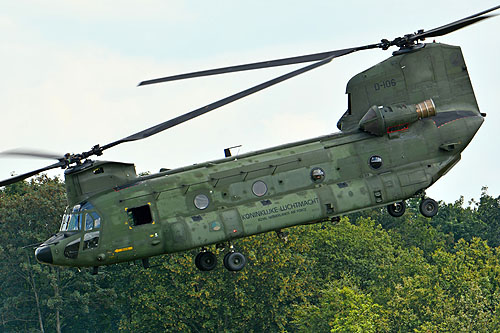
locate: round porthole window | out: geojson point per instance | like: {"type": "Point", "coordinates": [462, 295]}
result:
{"type": "Point", "coordinates": [201, 201]}
{"type": "Point", "coordinates": [317, 175]}
{"type": "Point", "coordinates": [375, 162]}
{"type": "Point", "coordinates": [259, 188]}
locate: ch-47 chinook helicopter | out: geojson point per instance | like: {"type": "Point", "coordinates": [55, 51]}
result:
{"type": "Point", "coordinates": [407, 122]}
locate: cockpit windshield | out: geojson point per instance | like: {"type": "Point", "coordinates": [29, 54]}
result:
{"type": "Point", "coordinates": [79, 217]}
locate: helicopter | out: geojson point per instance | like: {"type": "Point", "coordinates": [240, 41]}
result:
{"type": "Point", "coordinates": [408, 119]}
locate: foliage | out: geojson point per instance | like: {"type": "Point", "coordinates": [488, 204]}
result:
{"type": "Point", "coordinates": [368, 272]}
{"type": "Point", "coordinates": [256, 299]}
{"type": "Point", "coordinates": [37, 297]}
{"type": "Point", "coordinates": [342, 308]}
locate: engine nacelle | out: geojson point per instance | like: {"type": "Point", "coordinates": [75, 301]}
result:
{"type": "Point", "coordinates": [380, 120]}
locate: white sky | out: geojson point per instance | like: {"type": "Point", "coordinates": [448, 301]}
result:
{"type": "Point", "coordinates": [70, 69]}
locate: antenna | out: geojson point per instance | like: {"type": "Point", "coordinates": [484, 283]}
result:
{"type": "Point", "coordinates": [227, 151]}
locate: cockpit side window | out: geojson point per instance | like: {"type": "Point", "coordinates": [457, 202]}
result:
{"type": "Point", "coordinates": [71, 250]}
{"type": "Point", "coordinates": [89, 222]}
{"type": "Point", "coordinates": [92, 221]}
{"type": "Point", "coordinates": [90, 240]}
{"type": "Point", "coordinates": [97, 220]}
{"type": "Point", "coordinates": [92, 225]}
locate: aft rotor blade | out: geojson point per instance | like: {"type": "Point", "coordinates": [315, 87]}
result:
{"type": "Point", "coordinates": [29, 153]}
{"type": "Point", "coordinates": [210, 107]}
{"type": "Point", "coordinates": [262, 64]}
{"type": "Point", "coordinates": [446, 29]}
{"type": "Point", "coordinates": [478, 14]}
{"type": "Point", "coordinates": [15, 179]}
{"type": "Point", "coordinates": [450, 27]}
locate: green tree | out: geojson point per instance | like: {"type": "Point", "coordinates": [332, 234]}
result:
{"type": "Point", "coordinates": [374, 274]}
{"type": "Point", "coordinates": [459, 292]}
{"type": "Point", "coordinates": [488, 210]}
{"type": "Point", "coordinates": [176, 296]}
{"type": "Point", "coordinates": [35, 296]}
{"type": "Point", "coordinates": [342, 308]}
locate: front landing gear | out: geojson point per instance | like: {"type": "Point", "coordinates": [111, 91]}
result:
{"type": "Point", "coordinates": [428, 207]}
{"type": "Point", "coordinates": [205, 260]}
{"type": "Point", "coordinates": [233, 261]}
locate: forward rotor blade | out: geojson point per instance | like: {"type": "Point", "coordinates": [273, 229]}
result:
{"type": "Point", "coordinates": [29, 153]}
{"type": "Point", "coordinates": [15, 179]}
{"type": "Point", "coordinates": [198, 112]}
{"type": "Point", "coordinates": [262, 64]}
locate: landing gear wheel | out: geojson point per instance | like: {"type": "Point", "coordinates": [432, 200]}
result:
{"type": "Point", "coordinates": [396, 209]}
{"type": "Point", "coordinates": [234, 261]}
{"type": "Point", "coordinates": [205, 261]}
{"type": "Point", "coordinates": [197, 260]}
{"type": "Point", "coordinates": [428, 207]}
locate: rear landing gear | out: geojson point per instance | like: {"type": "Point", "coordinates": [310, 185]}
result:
{"type": "Point", "coordinates": [428, 207]}
{"type": "Point", "coordinates": [396, 209]}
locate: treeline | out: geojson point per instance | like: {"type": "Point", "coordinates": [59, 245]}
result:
{"type": "Point", "coordinates": [369, 272]}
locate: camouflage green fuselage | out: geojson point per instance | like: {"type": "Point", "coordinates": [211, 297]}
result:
{"type": "Point", "coordinates": [226, 199]}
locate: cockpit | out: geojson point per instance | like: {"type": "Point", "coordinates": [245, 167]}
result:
{"type": "Point", "coordinates": [80, 217]}
{"type": "Point", "coordinates": [80, 231]}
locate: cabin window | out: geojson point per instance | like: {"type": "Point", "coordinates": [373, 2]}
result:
{"type": "Point", "coordinates": [201, 201]}
{"type": "Point", "coordinates": [317, 175]}
{"type": "Point", "coordinates": [259, 188]}
{"type": "Point", "coordinates": [375, 162]}
{"type": "Point", "coordinates": [140, 215]}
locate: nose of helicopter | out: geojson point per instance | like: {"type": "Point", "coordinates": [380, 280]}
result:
{"type": "Point", "coordinates": [43, 254]}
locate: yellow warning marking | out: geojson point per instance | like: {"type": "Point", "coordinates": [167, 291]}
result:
{"type": "Point", "coordinates": [124, 249]}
